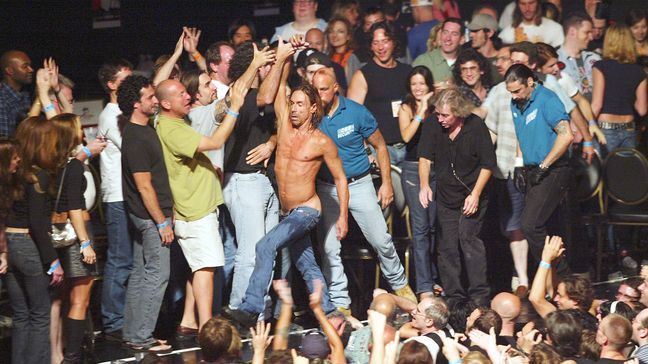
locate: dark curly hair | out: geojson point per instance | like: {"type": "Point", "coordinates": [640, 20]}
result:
{"type": "Point", "coordinates": [128, 94]}
{"type": "Point", "coordinates": [243, 56]}
{"type": "Point", "coordinates": [470, 54]}
{"type": "Point", "coordinates": [579, 290]}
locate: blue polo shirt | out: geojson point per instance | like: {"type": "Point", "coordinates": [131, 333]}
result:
{"type": "Point", "coordinates": [535, 125]}
{"type": "Point", "coordinates": [349, 126]}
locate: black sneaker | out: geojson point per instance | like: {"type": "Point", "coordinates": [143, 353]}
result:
{"type": "Point", "coordinates": [241, 319]}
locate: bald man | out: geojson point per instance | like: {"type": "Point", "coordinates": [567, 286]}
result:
{"type": "Point", "coordinates": [17, 73]}
{"type": "Point", "coordinates": [614, 333]}
{"type": "Point", "coordinates": [507, 305]}
{"type": "Point", "coordinates": [640, 335]}
{"type": "Point", "coordinates": [196, 187]}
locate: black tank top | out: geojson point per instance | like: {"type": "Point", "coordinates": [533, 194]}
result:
{"type": "Point", "coordinates": [384, 87]}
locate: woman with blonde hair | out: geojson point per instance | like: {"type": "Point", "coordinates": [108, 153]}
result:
{"type": "Point", "coordinates": [33, 262]}
{"type": "Point", "coordinates": [340, 37]}
{"type": "Point", "coordinates": [78, 259]}
{"type": "Point", "coordinates": [620, 89]}
{"type": "Point", "coordinates": [434, 40]}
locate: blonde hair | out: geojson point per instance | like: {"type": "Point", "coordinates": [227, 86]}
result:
{"type": "Point", "coordinates": [432, 39]}
{"type": "Point", "coordinates": [618, 44]}
{"type": "Point", "coordinates": [455, 100]}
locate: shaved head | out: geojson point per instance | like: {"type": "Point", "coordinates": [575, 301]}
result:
{"type": "Point", "coordinates": [166, 88]}
{"type": "Point", "coordinates": [16, 68]}
{"type": "Point", "coordinates": [384, 304]}
{"type": "Point", "coordinates": [507, 305]}
{"type": "Point", "coordinates": [174, 98]}
{"type": "Point", "coordinates": [9, 56]}
{"type": "Point", "coordinates": [315, 38]}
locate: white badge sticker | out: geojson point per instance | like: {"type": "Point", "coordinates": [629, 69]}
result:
{"type": "Point", "coordinates": [395, 107]}
{"type": "Point", "coordinates": [531, 116]}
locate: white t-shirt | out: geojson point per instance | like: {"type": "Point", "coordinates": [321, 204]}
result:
{"type": "Point", "coordinates": [568, 84]}
{"type": "Point", "coordinates": [506, 19]}
{"type": "Point", "coordinates": [287, 30]}
{"type": "Point", "coordinates": [110, 160]}
{"type": "Point", "coordinates": [548, 32]}
{"type": "Point", "coordinates": [204, 122]}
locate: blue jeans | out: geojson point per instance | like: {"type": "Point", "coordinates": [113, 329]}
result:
{"type": "Point", "coordinates": [396, 153]}
{"type": "Point", "coordinates": [228, 235]}
{"type": "Point", "coordinates": [423, 222]}
{"type": "Point", "coordinates": [28, 285]}
{"type": "Point", "coordinates": [254, 208]}
{"type": "Point", "coordinates": [293, 232]}
{"type": "Point", "coordinates": [147, 283]}
{"type": "Point", "coordinates": [368, 215]}
{"type": "Point", "coordinates": [118, 266]}
{"type": "Point", "coordinates": [618, 138]}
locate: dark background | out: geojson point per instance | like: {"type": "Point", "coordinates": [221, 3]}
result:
{"type": "Point", "coordinates": [63, 29]}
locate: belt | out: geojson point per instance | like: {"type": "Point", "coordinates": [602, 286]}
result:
{"type": "Point", "coordinates": [260, 171]}
{"type": "Point", "coordinates": [12, 230]}
{"type": "Point", "coordinates": [614, 126]}
{"type": "Point", "coordinates": [397, 145]}
{"type": "Point", "coordinates": [349, 180]}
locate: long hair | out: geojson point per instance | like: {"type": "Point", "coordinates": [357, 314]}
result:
{"type": "Point", "coordinates": [10, 185]}
{"type": "Point", "coordinates": [68, 130]}
{"type": "Point", "coordinates": [517, 15]}
{"type": "Point", "coordinates": [38, 139]}
{"type": "Point", "coordinates": [191, 81]}
{"type": "Point", "coordinates": [313, 99]}
{"type": "Point", "coordinates": [618, 44]}
{"type": "Point", "coordinates": [410, 100]}
{"type": "Point", "coordinates": [351, 43]}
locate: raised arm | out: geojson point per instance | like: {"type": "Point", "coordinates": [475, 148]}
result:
{"type": "Point", "coordinates": [190, 43]}
{"type": "Point", "coordinates": [271, 84]}
{"type": "Point", "coordinates": [334, 341]}
{"type": "Point", "coordinates": [164, 72]}
{"type": "Point", "coordinates": [334, 164]}
{"type": "Point", "coordinates": [42, 91]}
{"type": "Point", "coordinates": [282, 328]}
{"type": "Point", "coordinates": [553, 248]}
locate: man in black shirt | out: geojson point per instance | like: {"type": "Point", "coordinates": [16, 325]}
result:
{"type": "Point", "coordinates": [248, 193]}
{"type": "Point", "coordinates": [463, 156]}
{"type": "Point", "coordinates": [150, 207]}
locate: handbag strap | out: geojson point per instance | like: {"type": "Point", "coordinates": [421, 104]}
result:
{"type": "Point", "coordinates": [58, 194]}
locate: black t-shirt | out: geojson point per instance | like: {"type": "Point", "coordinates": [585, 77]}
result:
{"type": "Point", "coordinates": [385, 90]}
{"type": "Point", "coordinates": [34, 212]}
{"type": "Point", "coordinates": [142, 152]}
{"type": "Point", "coordinates": [253, 127]}
{"type": "Point", "coordinates": [73, 188]}
{"type": "Point", "coordinates": [457, 162]}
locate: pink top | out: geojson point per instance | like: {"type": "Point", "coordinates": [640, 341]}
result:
{"type": "Point", "coordinates": [451, 10]}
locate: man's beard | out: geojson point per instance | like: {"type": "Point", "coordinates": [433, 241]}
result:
{"type": "Point", "coordinates": [521, 103]}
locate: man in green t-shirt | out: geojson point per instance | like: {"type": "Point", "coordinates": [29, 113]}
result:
{"type": "Point", "coordinates": [195, 185]}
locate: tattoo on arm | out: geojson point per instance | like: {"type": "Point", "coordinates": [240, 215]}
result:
{"type": "Point", "coordinates": [562, 128]}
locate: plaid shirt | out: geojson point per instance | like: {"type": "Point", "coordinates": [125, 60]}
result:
{"type": "Point", "coordinates": [14, 107]}
{"type": "Point", "coordinates": [500, 122]}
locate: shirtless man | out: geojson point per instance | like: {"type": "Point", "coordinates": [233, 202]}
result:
{"type": "Point", "coordinates": [301, 148]}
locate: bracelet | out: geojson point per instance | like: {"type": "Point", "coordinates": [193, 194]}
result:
{"type": "Point", "coordinates": [48, 108]}
{"type": "Point", "coordinates": [53, 268]}
{"type": "Point", "coordinates": [592, 122]}
{"type": "Point", "coordinates": [196, 56]}
{"type": "Point", "coordinates": [587, 144]}
{"type": "Point", "coordinates": [418, 118]}
{"type": "Point", "coordinates": [87, 151]}
{"type": "Point", "coordinates": [456, 361]}
{"type": "Point", "coordinates": [232, 113]}
{"type": "Point", "coordinates": [545, 265]}
{"type": "Point", "coordinates": [163, 224]}
{"type": "Point", "coordinates": [86, 244]}
{"type": "Point", "coordinates": [368, 151]}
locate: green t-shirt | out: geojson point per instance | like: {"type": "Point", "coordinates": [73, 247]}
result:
{"type": "Point", "coordinates": [434, 61]}
{"type": "Point", "coordinates": [194, 182]}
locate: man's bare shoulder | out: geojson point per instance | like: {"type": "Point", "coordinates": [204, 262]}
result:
{"type": "Point", "coordinates": [321, 140]}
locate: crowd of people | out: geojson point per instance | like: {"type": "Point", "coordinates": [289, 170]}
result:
{"type": "Point", "coordinates": [241, 155]}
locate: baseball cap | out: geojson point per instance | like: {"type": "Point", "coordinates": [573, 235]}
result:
{"type": "Point", "coordinates": [318, 57]}
{"type": "Point", "coordinates": [314, 345]}
{"type": "Point", "coordinates": [421, 3]}
{"type": "Point", "coordinates": [483, 21]}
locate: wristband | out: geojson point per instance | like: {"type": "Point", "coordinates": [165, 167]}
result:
{"type": "Point", "coordinates": [86, 244]}
{"type": "Point", "coordinates": [592, 122]}
{"type": "Point", "coordinates": [163, 224]}
{"type": "Point", "coordinates": [53, 268]}
{"type": "Point", "coordinates": [87, 151]}
{"type": "Point", "coordinates": [545, 265]}
{"type": "Point", "coordinates": [196, 56]}
{"type": "Point", "coordinates": [232, 113]}
{"type": "Point", "coordinates": [48, 108]}
{"type": "Point", "coordinates": [456, 361]}
{"type": "Point", "coordinates": [368, 151]}
{"type": "Point", "coordinates": [587, 144]}
{"type": "Point", "coordinates": [418, 118]}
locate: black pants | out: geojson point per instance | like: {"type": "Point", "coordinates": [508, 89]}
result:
{"type": "Point", "coordinates": [454, 232]}
{"type": "Point", "coordinates": [542, 200]}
